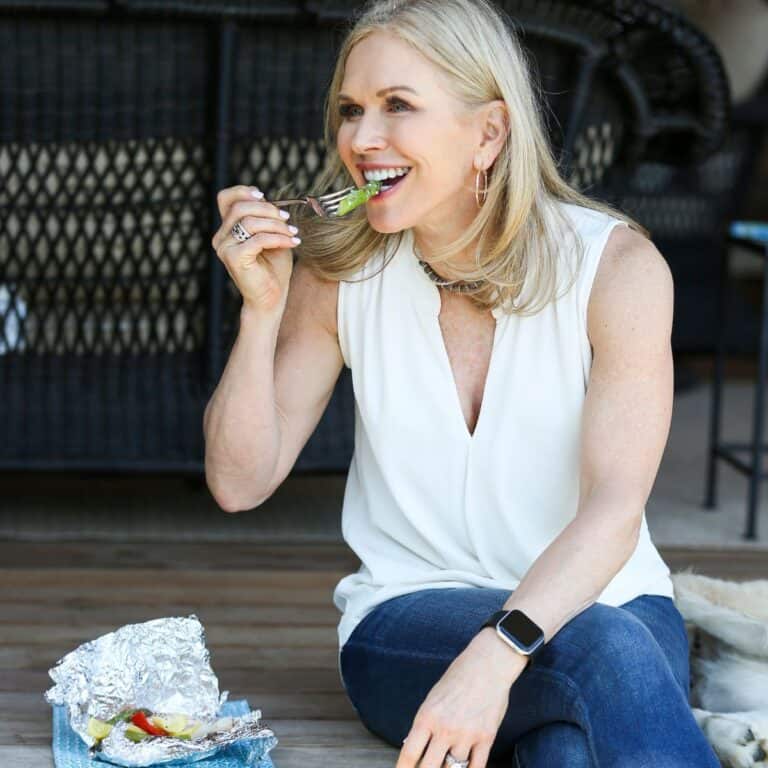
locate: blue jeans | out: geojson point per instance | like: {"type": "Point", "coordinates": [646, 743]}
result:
{"type": "Point", "coordinates": [609, 690]}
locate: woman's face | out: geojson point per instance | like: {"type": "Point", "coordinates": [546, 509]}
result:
{"type": "Point", "coordinates": [425, 129]}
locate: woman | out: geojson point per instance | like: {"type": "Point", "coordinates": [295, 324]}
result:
{"type": "Point", "coordinates": [497, 465]}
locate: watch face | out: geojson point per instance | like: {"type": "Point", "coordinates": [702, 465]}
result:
{"type": "Point", "coordinates": [519, 628]}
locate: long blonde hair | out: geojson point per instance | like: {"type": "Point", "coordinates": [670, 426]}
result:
{"type": "Point", "coordinates": [472, 43]}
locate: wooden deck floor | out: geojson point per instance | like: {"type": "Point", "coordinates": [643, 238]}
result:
{"type": "Point", "coordinates": [270, 626]}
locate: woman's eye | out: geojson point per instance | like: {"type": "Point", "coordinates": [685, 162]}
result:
{"type": "Point", "coordinates": [398, 103]}
{"type": "Point", "coordinates": [345, 110]}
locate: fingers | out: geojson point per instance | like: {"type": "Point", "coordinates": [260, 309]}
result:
{"type": "Point", "coordinates": [245, 254]}
{"type": "Point", "coordinates": [256, 225]}
{"type": "Point", "coordinates": [413, 748]}
{"type": "Point", "coordinates": [480, 754]}
{"type": "Point", "coordinates": [226, 197]}
{"type": "Point", "coordinates": [414, 745]}
{"type": "Point", "coordinates": [236, 203]}
{"type": "Point", "coordinates": [436, 752]}
{"type": "Point", "coordinates": [255, 217]}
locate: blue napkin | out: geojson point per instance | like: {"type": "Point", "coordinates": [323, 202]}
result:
{"type": "Point", "coordinates": [70, 751]}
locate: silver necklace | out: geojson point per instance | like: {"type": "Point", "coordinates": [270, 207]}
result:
{"type": "Point", "coordinates": [457, 286]}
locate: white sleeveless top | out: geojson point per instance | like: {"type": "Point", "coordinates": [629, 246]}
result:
{"type": "Point", "coordinates": [427, 504]}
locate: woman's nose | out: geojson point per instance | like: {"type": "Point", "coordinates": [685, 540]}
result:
{"type": "Point", "coordinates": [367, 136]}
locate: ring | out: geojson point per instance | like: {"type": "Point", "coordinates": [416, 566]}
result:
{"type": "Point", "coordinates": [451, 760]}
{"type": "Point", "coordinates": [240, 233]}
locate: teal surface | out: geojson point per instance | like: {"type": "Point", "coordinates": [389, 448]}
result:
{"type": "Point", "coordinates": [70, 751]}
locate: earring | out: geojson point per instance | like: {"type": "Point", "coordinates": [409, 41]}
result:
{"type": "Point", "coordinates": [484, 190]}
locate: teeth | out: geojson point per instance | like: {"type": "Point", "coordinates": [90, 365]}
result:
{"type": "Point", "coordinates": [380, 174]}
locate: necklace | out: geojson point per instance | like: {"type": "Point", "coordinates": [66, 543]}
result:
{"type": "Point", "coordinates": [457, 286]}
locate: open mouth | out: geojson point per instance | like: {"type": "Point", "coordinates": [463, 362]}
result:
{"type": "Point", "coordinates": [388, 188]}
{"type": "Point", "coordinates": [389, 183]}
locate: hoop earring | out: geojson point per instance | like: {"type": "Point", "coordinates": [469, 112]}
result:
{"type": "Point", "coordinates": [483, 191]}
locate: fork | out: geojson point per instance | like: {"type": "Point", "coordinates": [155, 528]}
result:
{"type": "Point", "coordinates": [323, 205]}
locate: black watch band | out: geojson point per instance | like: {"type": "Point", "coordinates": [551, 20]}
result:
{"type": "Point", "coordinates": [531, 629]}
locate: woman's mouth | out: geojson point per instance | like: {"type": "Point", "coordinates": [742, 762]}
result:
{"type": "Point", "coordinates": [388, 188]}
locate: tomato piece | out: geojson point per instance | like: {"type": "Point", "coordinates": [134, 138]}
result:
{"type": "Point", "coordinates": [140, 719]}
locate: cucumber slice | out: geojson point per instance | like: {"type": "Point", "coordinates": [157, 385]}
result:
{"type": "Point", "coordinates": [98, 728]}
{"type": "Point", "coordinates": [358, 196]}
{"type": "Point", "coordinates": [174, 724]}
{"type": "Point", "coordinates": [134, 733]}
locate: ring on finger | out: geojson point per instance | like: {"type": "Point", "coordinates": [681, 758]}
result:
{"type": "Point", "coordinates": [240, 233]}
{"type": "Point", "coordinates": [452, 761]}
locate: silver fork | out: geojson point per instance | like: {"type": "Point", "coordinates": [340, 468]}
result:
{"type": "Point", "coordinates": [322, 205]}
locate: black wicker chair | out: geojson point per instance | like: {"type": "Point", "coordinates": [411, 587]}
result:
{"type": "Point", "coordinates": [121, 120]}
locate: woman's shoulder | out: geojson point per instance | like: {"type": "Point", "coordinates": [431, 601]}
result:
{"type": "Point", "coordinates": [634, 282]}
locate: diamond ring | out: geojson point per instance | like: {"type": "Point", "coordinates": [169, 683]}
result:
{"type": "Point", "coordinates": [240, 233]}
{"type": "Point", "coordinates": [451, 760]}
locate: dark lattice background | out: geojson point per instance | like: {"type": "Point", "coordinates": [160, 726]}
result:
{"type": "Point", "coordinates": [119, 121]}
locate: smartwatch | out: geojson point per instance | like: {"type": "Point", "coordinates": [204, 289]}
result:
{"type": "Point", "coordinates": [518, 631]}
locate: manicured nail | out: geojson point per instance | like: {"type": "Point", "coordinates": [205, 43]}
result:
{"type": "Point", "coordinates": [285, 214]}
{"type": "Point", "coordinates": [257, 193]}
{"type": "Point", "coordinates": [296, 240]}
{"type": "Point", "coordinates": [293, 230]}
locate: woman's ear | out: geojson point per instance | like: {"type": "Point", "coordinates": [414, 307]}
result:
{"type": "Point", "coordinates": [495, 127]}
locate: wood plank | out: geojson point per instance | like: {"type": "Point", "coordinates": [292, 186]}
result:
{"type": "Point", "coordinates": [738, 564]}
{"type": "Point", "coordinates": [295, 732]}
{"type": "Point", "coordinates": [268, 679]}
{"type": "Point", "coordinates": [231, 555]}
{"type": "Point", "coordinates": [750, 560]}
{"type": "Point", "coordinates": [288, 704]}
{"type": "Point", "coordinates": [39, 657]}
{"type": "Point", "coordinates": [82, 612]}
{"type": "Point", "coordinates": [216, 637]}
{"type": "Point", "coordinates": [202, 579]}
{"type": "Point", "coordinates": [380, 756]}
{"type": "Point", "coordinates": [150, 596]}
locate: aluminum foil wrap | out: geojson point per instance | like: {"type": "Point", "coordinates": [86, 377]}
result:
{"type": "Point", "coordinates": [163, 666]}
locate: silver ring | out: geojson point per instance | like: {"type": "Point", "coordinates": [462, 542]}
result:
{"type": "Point", "coordinates": [240, 233]}
{"type": "Point", "coordinates": [451, 760]}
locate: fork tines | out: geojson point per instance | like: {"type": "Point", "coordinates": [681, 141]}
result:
{"type": "Point", "coordinates": [331, 200]}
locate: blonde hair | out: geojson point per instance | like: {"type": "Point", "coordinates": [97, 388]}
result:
{"type": "Point", "coordinates": [473, 44]}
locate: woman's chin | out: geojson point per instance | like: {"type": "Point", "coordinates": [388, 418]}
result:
{"type": "Point", "coordinates": [388, 224]}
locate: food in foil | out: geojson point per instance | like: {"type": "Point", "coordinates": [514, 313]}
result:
{"type": "Point", "coordinates": [146, 694]}
{"type": "Point", "coordinates": [142, 724]}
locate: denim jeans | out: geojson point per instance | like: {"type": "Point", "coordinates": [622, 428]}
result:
{"type": "Point", "coordinates": [609, 690]}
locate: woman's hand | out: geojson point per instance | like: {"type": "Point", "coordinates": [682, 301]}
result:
{"type": "Point", "coordinates": [261, 266]}
{"type": "Point", "coordinates": [463, 711]}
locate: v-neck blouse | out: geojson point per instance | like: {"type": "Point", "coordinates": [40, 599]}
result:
{"type": "Point", "coordinates": [426, 503]}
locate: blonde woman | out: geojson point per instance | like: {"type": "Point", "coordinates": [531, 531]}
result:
{"type": "Point", "coordinates": [509, 343]}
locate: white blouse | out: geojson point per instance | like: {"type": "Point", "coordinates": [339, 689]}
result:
{"type": "Point", "coordinates": [427, 504]}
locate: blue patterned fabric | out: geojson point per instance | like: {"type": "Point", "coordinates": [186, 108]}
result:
{"type": "Point", "coordinates": [70, 751]}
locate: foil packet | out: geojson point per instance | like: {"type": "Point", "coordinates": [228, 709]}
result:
{"type": "Point", "coordinates": [160, 666]}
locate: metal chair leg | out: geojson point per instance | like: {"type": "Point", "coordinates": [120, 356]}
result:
{"type": "Point", "coordinates": [757, 415]}
{"type": "Point", "coordinates": [710, 500]}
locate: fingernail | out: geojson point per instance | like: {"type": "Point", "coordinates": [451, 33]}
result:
{"type": "Point", "coordinates": [293, 230]}
{"type": "Point", "coordinates": [285, 214]}
{"type": "Point", "coordinates": [257, 193]}
{"type": "Point", "coordinates": [296, 240]}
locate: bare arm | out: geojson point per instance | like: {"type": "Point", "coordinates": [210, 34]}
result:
{"type": "Point", "coordinates": [626, 419]}
{"type": "Point", "coordinates": [277, 382]}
